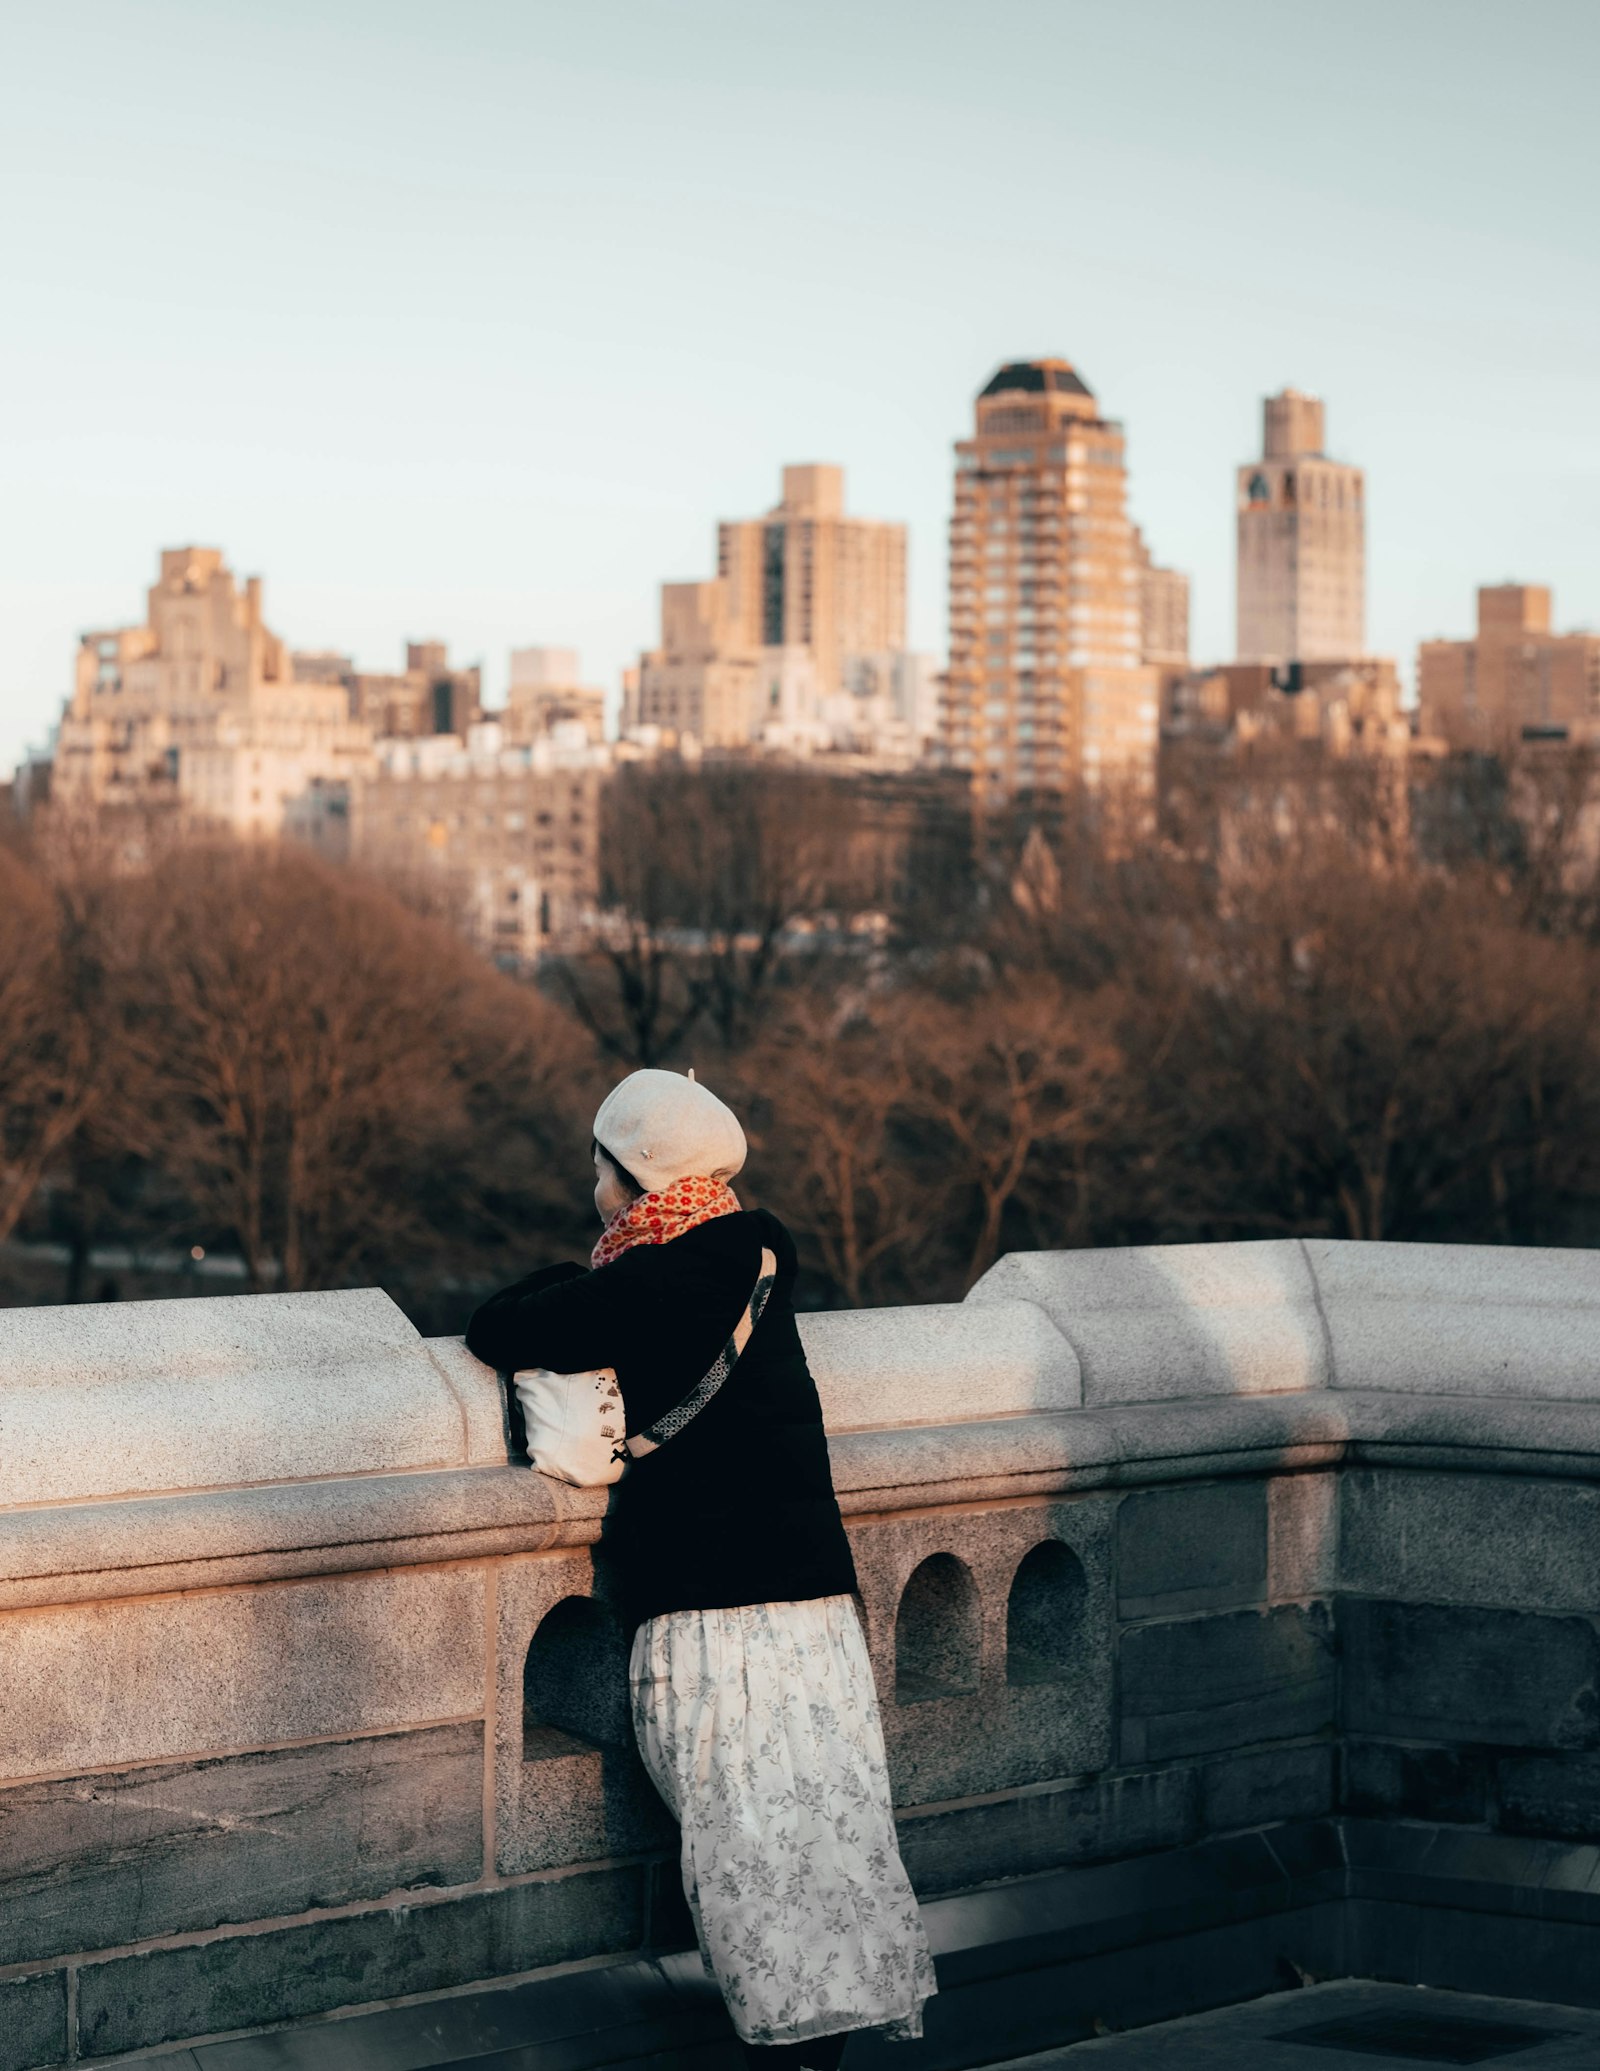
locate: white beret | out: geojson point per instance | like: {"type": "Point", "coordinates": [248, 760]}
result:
{"type": "Point", "coordinates": [661, 1126]}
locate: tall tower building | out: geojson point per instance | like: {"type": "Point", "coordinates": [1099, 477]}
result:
{"type": "Point", "coordinates": [807, 576]}
{"type": "Point", "coordinates": [1046, 689]}
{"type": "Point", "coordinates": [1301, 544]}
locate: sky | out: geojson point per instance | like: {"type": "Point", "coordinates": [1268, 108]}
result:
{"type": "Point", "coordinates": [468, 321]}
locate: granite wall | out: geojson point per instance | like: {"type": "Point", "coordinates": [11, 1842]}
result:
{"type": "Point", "coordinates": [1240, 1599]}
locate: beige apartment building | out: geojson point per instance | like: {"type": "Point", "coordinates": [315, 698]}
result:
{"type": "Point", "coordinates": [1517, 680]}
{"type": "Point", "coordinates": [426, 697]}
{"type": "Point", "coordinates": [806, 575]}
{"type": "Point", "coordinates": [505, 840]}
{"type": "Point", "coordinates": [1301, 581]}
{"type": "Point", "coordinates": [700, 684]}
{"type": "Point", "coordinates": [546, 696]}
{"type": "Point", "coordinates": [1163, 611]}
{"type": "Point", "coordinates": [786, 647]}
{"type": "Point", "coordinates": [1346, 707]}
{"type": "Point", "coordinates": [1047, 687]}
{"type": "Point", "coordinates": [198, 710]}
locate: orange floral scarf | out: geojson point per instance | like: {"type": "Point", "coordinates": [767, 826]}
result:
{"type": "Point", "coordinates": [658, 1218]}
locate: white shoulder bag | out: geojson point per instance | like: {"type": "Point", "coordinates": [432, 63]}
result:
{"type": "Point", "coordinates": [574, 1421]}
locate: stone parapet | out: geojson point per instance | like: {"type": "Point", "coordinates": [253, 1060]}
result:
{"type": "Point", "coordinates": [130, 1398]}
{"type": "Point", "coordinates": [1203, 1570]}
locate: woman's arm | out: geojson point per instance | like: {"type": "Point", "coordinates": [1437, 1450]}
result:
{"type": "Point", "coordinates": [562, 1317]}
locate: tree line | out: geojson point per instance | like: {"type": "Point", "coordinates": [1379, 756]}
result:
{"type": "Point", "coordinates": [1303, 1000]}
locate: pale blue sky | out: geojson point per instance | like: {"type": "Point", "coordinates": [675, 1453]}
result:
{"type": "Point", "coordinates": [469, 320]}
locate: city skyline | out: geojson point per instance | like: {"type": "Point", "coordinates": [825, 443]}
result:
{"type": "Point", "coordinates": [323, 298]}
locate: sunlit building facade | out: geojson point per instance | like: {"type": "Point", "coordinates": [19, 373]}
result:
{"type": "Point", "coordinates": [502, 839]}
{"type": "Point", "coordinates": [546, 695]}
{"type": "Point", "coordinates": [198, 711]}
{"type": "Point", "coordinates": [1047, 688]}
{"type": "Point", "coordinates": [808, 575]}
{"type": "Point", "coordinates": [1516, 680]}
{"type": "Point", "coordinates": [1301, 537]}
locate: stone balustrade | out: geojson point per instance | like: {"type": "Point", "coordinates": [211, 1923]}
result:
{"type": "Point", "coordinates": [1243, 1597]}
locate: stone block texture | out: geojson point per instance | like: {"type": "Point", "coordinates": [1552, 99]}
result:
{"type": "Point", "coordinates": [1524, 1542]}
{"type": "Point", "coordinates": [940, 1364]}
{"type": "Point", "coordinates": [146, 1678]}
{"type": "Point", "coordinates": [1266, 1680]}
{"type": "Point", "coordinates": [1267, 1786]}
{"type": "Point", "coordinates": [1459, 1319]}
{"type": "Point", "coordinates": [33, 2020]}
{"type": "Point", "coordinates": [951, 1848]}
{"type": "Point", "coordinates": [1394, 1780]}
{"type": "Point", "coordinates": [993, 1659]}
{"type": "Point", "coordinates": [1549, 1794]}
{"type": "Point", "coordinates": [1449, 1672]}
{"type": "Point", "coordinates": [91, 1862]}
{"type": "Point", "coordinates": [569, 1784]}
{"type": "Point", "coordinates": [1302, 1535]}
{"type": "Point", "coordinates": [212, 1392]}
{"type": "Point", "coordinates": [1154, 1322]}
{"type": "Point", "coordinates": [482, 1396]}
{"type": "Point", "coordinates": [1192, 1549]}
{"type": "Point", "coordinates": [1192, 1685]}
{"type": "Point", "coordinates": [240, 1981]}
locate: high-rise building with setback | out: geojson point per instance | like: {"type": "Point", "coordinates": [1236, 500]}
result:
{"type": "Point", "coordinates": [806, 575]}
{"type": "Point", "coordinates": [1301, 592]}
{"type": "Point", "coordinates": [1047, 689]}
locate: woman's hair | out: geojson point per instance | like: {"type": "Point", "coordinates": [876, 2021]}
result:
{"type": "Point", "coordinates": [625, 1177]}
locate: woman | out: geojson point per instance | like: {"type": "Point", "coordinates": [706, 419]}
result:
{"type": "Point", "coordinates": [753, 1699]}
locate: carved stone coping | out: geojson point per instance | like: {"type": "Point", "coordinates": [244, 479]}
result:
{"type": "Point", "coordinates": [215, 1398]}
{"type": "Point", "coordinates": [141, 1546]}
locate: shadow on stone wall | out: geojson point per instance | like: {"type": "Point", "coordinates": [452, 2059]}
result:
{"type": "Point", "coordinates": [1044, 1615]}
{"type": "Point", "coordinates": [938, 1633]}
{"type": "Point", "coordinates": [582, 1780]}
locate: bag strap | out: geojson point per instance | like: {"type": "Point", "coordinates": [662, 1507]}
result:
{"type": "Point", "coordinates": [650, 1441]}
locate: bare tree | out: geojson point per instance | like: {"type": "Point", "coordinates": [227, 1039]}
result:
{"type": "Point", "coordinates": [830, 1107]}
{"type": "Point", "coordinates": [706, 872]}
{"type": "Point", "coordinates": [318, 1053]}
{"type": "Point", "coordinates": [1010, 1081]}
{"type": "Point", "coordinates": [50, 1068]}
{"type": "Point", "coordinates": [1373, 1055]}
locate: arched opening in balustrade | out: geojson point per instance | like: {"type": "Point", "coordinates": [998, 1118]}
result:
{"type": "Point", "coordinates": [575, 1683]}
{"type": "Point", "coordinates": [1044, 1614]}
{"type": "Point", "coordinates": [938, 1632]}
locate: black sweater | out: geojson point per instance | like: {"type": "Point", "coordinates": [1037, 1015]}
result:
{"type": "Point", "coordinates": [739, 1507]}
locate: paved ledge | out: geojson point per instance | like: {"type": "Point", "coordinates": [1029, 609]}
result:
{"type": "Point", "coordinates": [1028, 1965]}
{"type": "Point", "coordinates": [1299, 2031]}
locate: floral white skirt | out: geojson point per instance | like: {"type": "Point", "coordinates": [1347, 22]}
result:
{"type": "Point", "coordinates": [759, 1727]}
